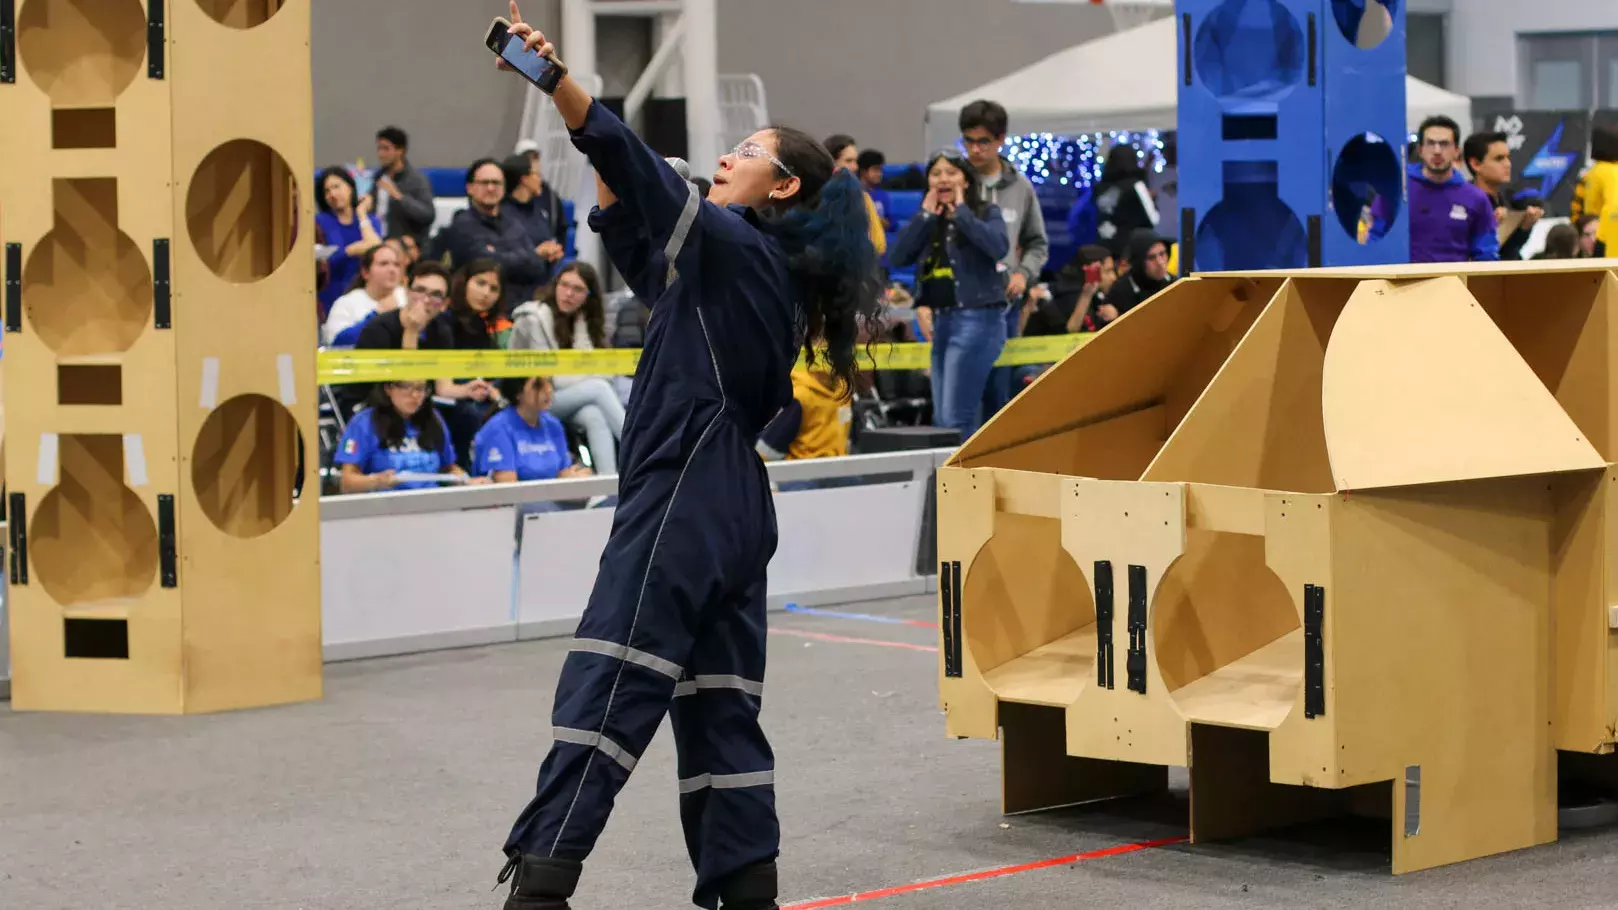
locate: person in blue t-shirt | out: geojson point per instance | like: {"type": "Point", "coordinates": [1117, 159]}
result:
{"type": "Point", "coordinates": [396, 434]}
{"type": "Point", "coordinates": [524, 441]}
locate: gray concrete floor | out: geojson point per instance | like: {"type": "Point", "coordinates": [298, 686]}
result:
{"type": "Point", "coordinates": [397, 790]}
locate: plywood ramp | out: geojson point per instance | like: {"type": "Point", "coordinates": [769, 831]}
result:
{"type": "Point", "coordinates": [1258, 423]}
{"type": "Point", "coordinates": [1135, 382]}
{"type": "Point", "coordinates": [1584, 532]}
{"type": "Point", "coordinates": [1411, 271]}
{"type": "Point", "coordinates": [1420, 387]}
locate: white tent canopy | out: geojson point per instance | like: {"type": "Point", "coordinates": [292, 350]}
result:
{"type": "Point", "coordinates": [1126, 81]}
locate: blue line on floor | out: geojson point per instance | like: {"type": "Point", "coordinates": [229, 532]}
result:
{"type": "Point", "coordinates": [834, 614]}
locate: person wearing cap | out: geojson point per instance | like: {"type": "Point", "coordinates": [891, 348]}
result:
{"type": "Point", "coordinates": [548, 201]}
{"type": "Point", "coordinates": [404, 194]}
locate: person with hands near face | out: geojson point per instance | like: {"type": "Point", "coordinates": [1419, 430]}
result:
{"type": "Point", "coordinates": [775, 262]}
{"type": "Point", "coordinates": [398, 434]}
{"type": "Point", "coordinates": [409, 193]}
{"type": "Point", "coordinates": [957, 241]}
{"type": "Point", "coordinates": [346, 222]}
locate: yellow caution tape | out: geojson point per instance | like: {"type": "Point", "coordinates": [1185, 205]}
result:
{"type": "Point", "coordinates": [339, 367]}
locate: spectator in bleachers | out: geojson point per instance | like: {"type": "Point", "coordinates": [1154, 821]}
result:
{"type": "Point", "coordinates": [813, 425]}
{"type": "Point", "coordinates": [524, 441]}
{"type": "Point", "coordinates": [1450, 219]}
{"type": "Point", "coordinates": [397, 434]}
{"type": "Point", "coordinates": [404, 194]}
{"type": "Point", "coordinates": [414, 326]}
{"type": "Point", "coordinates": [409, 250]}
{"type": "Point", "coordinates": [1597, 193]}
{"type": "Point", "coordinates": [479, 231]}
{"type": "Point", "coordinates": [346, 222]}
{"type": "Point", "coordinates": [846, 155]}
{"type": "Point", "coordinates": [1561, 242]}
{"type": "Point", "coordinates": [475, 321]}
{"type": "Point", "coordinates": [870, 163]}
{"type": "Point", "coordinates": [1123, 203]}
{"type": "Point", "coordinates": [1586, 226]}
{"type": "Point", "coordinates": [957, 241]}
{"type": "Point", "coordinates": [1078, 302]}
{"type": "Point", "coordinates": [532, 204]}
{"type": "Point", "coordinates": [570, 316]}
{"type": "Point", "coordinates": [983, 126]}
{"type": "Point", "coordinates": [550, 199]}
{"type": "Point", "coordinates": [1488, 157]}
{"type": "Point", "coordinates": [1147, 274]}
{"type": "Point", "coordinates": [377, 289]}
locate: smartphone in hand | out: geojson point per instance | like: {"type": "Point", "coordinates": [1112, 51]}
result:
{"type": "Point", "coordinates": [544, 72]}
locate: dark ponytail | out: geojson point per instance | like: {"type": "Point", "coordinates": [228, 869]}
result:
{"type": "Point", "coordinates": [827, 237]}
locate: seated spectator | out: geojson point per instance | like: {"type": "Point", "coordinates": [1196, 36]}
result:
{"type": "Point", "coordinates": [377, 289]}
{"type": "Point", "coordinates": [524, 441]}
{"type": "Point", "coordinates": [569, 316]}
{"type": "Point", "coordinates": [846, 155]}
{"type": "Point", "coordinates": [410, 327]}
{"type": "Point", "coordinates": [1081, 289]}
{"type": "Point", "coordinates": [479, 231]}
{"type": "Point", "coordinates": [1587, 226]}
{"type": "Point", "coordinates": [1147, 274]}
{"type": "Point", "coordinates": [870, 163]}
{"type": "Point", "coordinates": [533, 205]}
{"type": "Point", "coordinates": [406, 247]}
{"type": "Point", "coordinates": [396, 435]}
{"type": "Point", "coordinates": [474, 322]}
{"type": "Point", "coordinates": [813, 425]}
{"type": "Point", "coordinates": [345, 222]}
{"type": "Point", "coordinates": [1561, 242]}
{"type": "Point", "coordinates": [406, 194]}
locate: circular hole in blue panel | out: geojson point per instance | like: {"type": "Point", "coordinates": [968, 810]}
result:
{"type": "Point", "coordinates": [1365, 23]}
{"type": "Point", "coordinates": [1250, 51]}
{"type": "Point", "coordinates": [1367, 187]}
{"type": "Point", "coordinates": [1248, 231]}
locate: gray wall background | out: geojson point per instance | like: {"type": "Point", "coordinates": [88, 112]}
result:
{"type": "Point", "coordinates": [866, 67]}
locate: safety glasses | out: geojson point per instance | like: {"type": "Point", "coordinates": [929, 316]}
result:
{"type": "Point", "coordinates": [751, 149]}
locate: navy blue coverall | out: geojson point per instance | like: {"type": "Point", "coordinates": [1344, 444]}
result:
{"type": "Point", "coordinates": [676, 621]}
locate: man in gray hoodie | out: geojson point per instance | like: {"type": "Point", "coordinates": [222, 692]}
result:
{"type": "Point", "coordinates": [983, 127]}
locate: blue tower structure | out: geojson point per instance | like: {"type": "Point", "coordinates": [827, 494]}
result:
{"type": "Point", "coordinates": [1291, 133]}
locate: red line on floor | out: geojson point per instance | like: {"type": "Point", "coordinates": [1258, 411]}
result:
{"type": "Point", "coordinates": [842, 639]}
{"type": "Point", "coordinates": [969, 877]}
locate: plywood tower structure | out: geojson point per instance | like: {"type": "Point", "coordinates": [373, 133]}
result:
{"type": "Point", "coordinates": [1336, 540]}
{"type": "Point", "coordinates": [159, 351]}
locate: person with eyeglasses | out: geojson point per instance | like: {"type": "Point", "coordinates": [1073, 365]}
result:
{"type": "Point", "coordinates": [483, 231]}
{"type": "Point", "coordinates": [956, 243]}
{"type": "Point", "coordinates": [775, 263]}
{"type": "Point", "coordinates": [411, 327]}
{"type": "Point", "coordinates": [1451, 220]}
{"type": "Point", "coordinates": [397, 436]}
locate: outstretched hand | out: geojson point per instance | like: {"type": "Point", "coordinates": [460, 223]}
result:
{"type": "Point", "coordinates": [533, 39]}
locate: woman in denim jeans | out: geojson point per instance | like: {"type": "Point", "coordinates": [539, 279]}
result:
{"type": "Point", "coordinates": [958, 241]}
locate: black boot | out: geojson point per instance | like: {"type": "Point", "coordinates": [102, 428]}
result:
{"type": "Point", "coordinates": [752, 888]}
{"type": "Point", "coordinates": [540, 883]}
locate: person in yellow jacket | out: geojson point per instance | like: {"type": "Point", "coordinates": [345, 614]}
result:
{"type": "Point", "coordinates": [847, 156]}
{"type": "Point", "coordinates": [814, 425]}
{"type": "Point", "coordinates": [1597, 193]}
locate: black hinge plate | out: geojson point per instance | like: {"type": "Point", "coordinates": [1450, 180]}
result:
{"type": "Point", "coordinates": [17, 524]}
{"type": "Point", "coordinates": [8, 41]}
{"type": "Point", "coordinates": [955, 618]}
{"type": "Point", "coordinates": [1188, 241]}
{"type": "Point", "coordinates": [1137, 629]}
{"type": "Point", "coordinates": [1315, 253]}
{"type": "Point", "coordinates": [13, 285]}
{"type": "Point", "coordinates": [154, 39]}
{"type": "Point", "coordinates": [161, 317]}
{"type": "Point", "coordinates": [1314, 651]}
{"type": "Point", "coordinates": [168, 571]}
{"type": "Point", "coordinates": [1104, 624]}
{"type": "Point", "coordinates": [1314, 50]}
{"type": "Point", "coordinates": [1185, 46]}
{"type": "Point", "coordinates": [949, 589]}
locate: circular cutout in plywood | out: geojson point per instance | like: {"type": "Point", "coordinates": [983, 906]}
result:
{"type": "Point", "coordinates": [241, 209]}
{"type": "Point", "coordinates": [1367, 187]}
{"type": "Point", "coordinates": [86, 287]}
{"type": "Point", "coordinates": [1249, 51]}
{"type": "Point", "coordinates": [82, 53]}
{"type": "Point", "coordinates": [247, 465]}
{"type": "Point", "coordinates": [92, 540]}
{"type": "Point", "coordinates": [1365, 23]}
{"type": "Point", "coordinates": [241, 13]}
{"type": "Point", "coordinates": [1249, 229]}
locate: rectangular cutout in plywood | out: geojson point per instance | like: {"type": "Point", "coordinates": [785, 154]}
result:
{"type": "Point", "coordinates": [96, 639]}
{"type": "Point", "coordinates": [1258, 423]}
{"type": "Point", "coordinates": [94, 384]}
{"type": "Point", "coordinates": [84, 128]}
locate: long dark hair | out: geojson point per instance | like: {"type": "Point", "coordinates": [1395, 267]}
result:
{"type": "Point", "coordinates": [973, 195]}
{"type": "Point", "coordinates": [1123, 164]}
{"type": "Point", "coordinates": [468, 319]}
{"type": "Point", "coordinates": [826, 234]}
{"type": "Point", "coordinates": [346, 177]}
{"type": "Point", "coordinates": [389, 424]}
{"type": "Point", "coordinates": [595, 315]}
{"type": "Point", "coordinates": [1562, 242]}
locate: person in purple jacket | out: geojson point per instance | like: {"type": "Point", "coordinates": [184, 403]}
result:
{"type": "Point", "coordinates": [1451, 220]}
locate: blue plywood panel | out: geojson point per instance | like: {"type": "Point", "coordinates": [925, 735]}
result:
{"type": "Point", "coordinates": [1287, 103]}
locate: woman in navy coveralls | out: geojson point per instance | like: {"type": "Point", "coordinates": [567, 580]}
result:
{"type": "Point", "coordinates": [776, 260]}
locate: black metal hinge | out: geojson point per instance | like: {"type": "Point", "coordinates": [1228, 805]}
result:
{"type": "Point", "coordinates": [1314, 651]}
{"type": "Point", "coordinates": [1188, 241]}
{"type": "Point", "coordinates": [161, 317]}
{"type": "Point", "coordinates": [17, 527]}
{"type": "Point", "coordinates": [168, 571]}
{"type": "Point", "coordinates": [13, 285]}
{"type": "Point", "coordinates": [154, 39]}
{"type": "Point", "coordinates": [949, 589]}
{"type": "Point", "coordinates": [1314, 242]}
{"type": "Point", "coordinates": [8, 41]}
{"type": "Point", "coordinates": [1104, 624]}
{"type": "Point", "coordinates": [1137, 629]}
{"type": "Point", "coordinates": [1314, 50]}
{"type": "Point", "coordinates": [1185, 46]}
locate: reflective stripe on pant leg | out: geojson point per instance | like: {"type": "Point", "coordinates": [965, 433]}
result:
{"type": "Point", "coordinates": [624, 652]}
{"type": "Point", "coordinates": [694, 685]}
{"type": "Point", "coordinates": [598, 742]}
{"type": "Point", "coordinates": [728, 781]}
